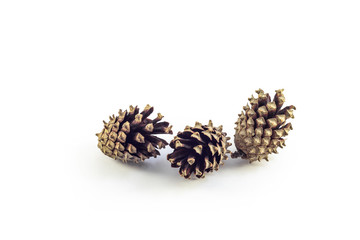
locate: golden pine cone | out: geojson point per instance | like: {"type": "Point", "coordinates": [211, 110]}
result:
{"type": "Point", "coordinates": [130, 136]}
{"type": "Point", "coordinates": [261, 128]}
{"type": "Point", "coordinates": [199, 149]}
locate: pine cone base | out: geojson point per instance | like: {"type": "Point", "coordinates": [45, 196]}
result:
{"type": "Point", "coordinates": [130, 135]}
{"type": "Point", "coordinates": [198, 150]}
{"type": "Point", "coordinates": [261, 128]}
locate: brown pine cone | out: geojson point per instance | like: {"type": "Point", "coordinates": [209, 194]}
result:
{"type": "Point", "coordinates": [199, 149]}
{"type": "Point", "coordinates": [260, 130]}
{"type": "Point", "coordinates": [130, 136]}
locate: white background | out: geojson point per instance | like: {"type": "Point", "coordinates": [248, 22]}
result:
{"type": "Point", "coordinates": [67, 65]}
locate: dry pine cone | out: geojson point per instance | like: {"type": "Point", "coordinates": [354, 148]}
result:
{"type": "Point", "coordinates": [129, 136]}
{"type": "Point", "coordinates": [199, 149]}
{"type": "Point", "coordinates": [260, 130]}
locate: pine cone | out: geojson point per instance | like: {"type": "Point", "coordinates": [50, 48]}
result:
{"type": "Point", "coordinates": [129, 136]}
{"type": "Point", "coordinates": [260, 131]}
{"type": "Point", "coordinates": [199, 149]}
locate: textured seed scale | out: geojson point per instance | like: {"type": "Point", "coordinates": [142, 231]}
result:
{"type": "Point", "coordinates": [130, 135]}
{"type": "Point", "coordinates": [199, 149]}
{"type": "Point", "coordinates": [261, 128]}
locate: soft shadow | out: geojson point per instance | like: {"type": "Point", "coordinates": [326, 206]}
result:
{"type": "Point", "coordinates": [157, 166]}
{"type": "Point", "coordinates": [161, 166]}
{"type": "Point", "coordinates": [233, 163]}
